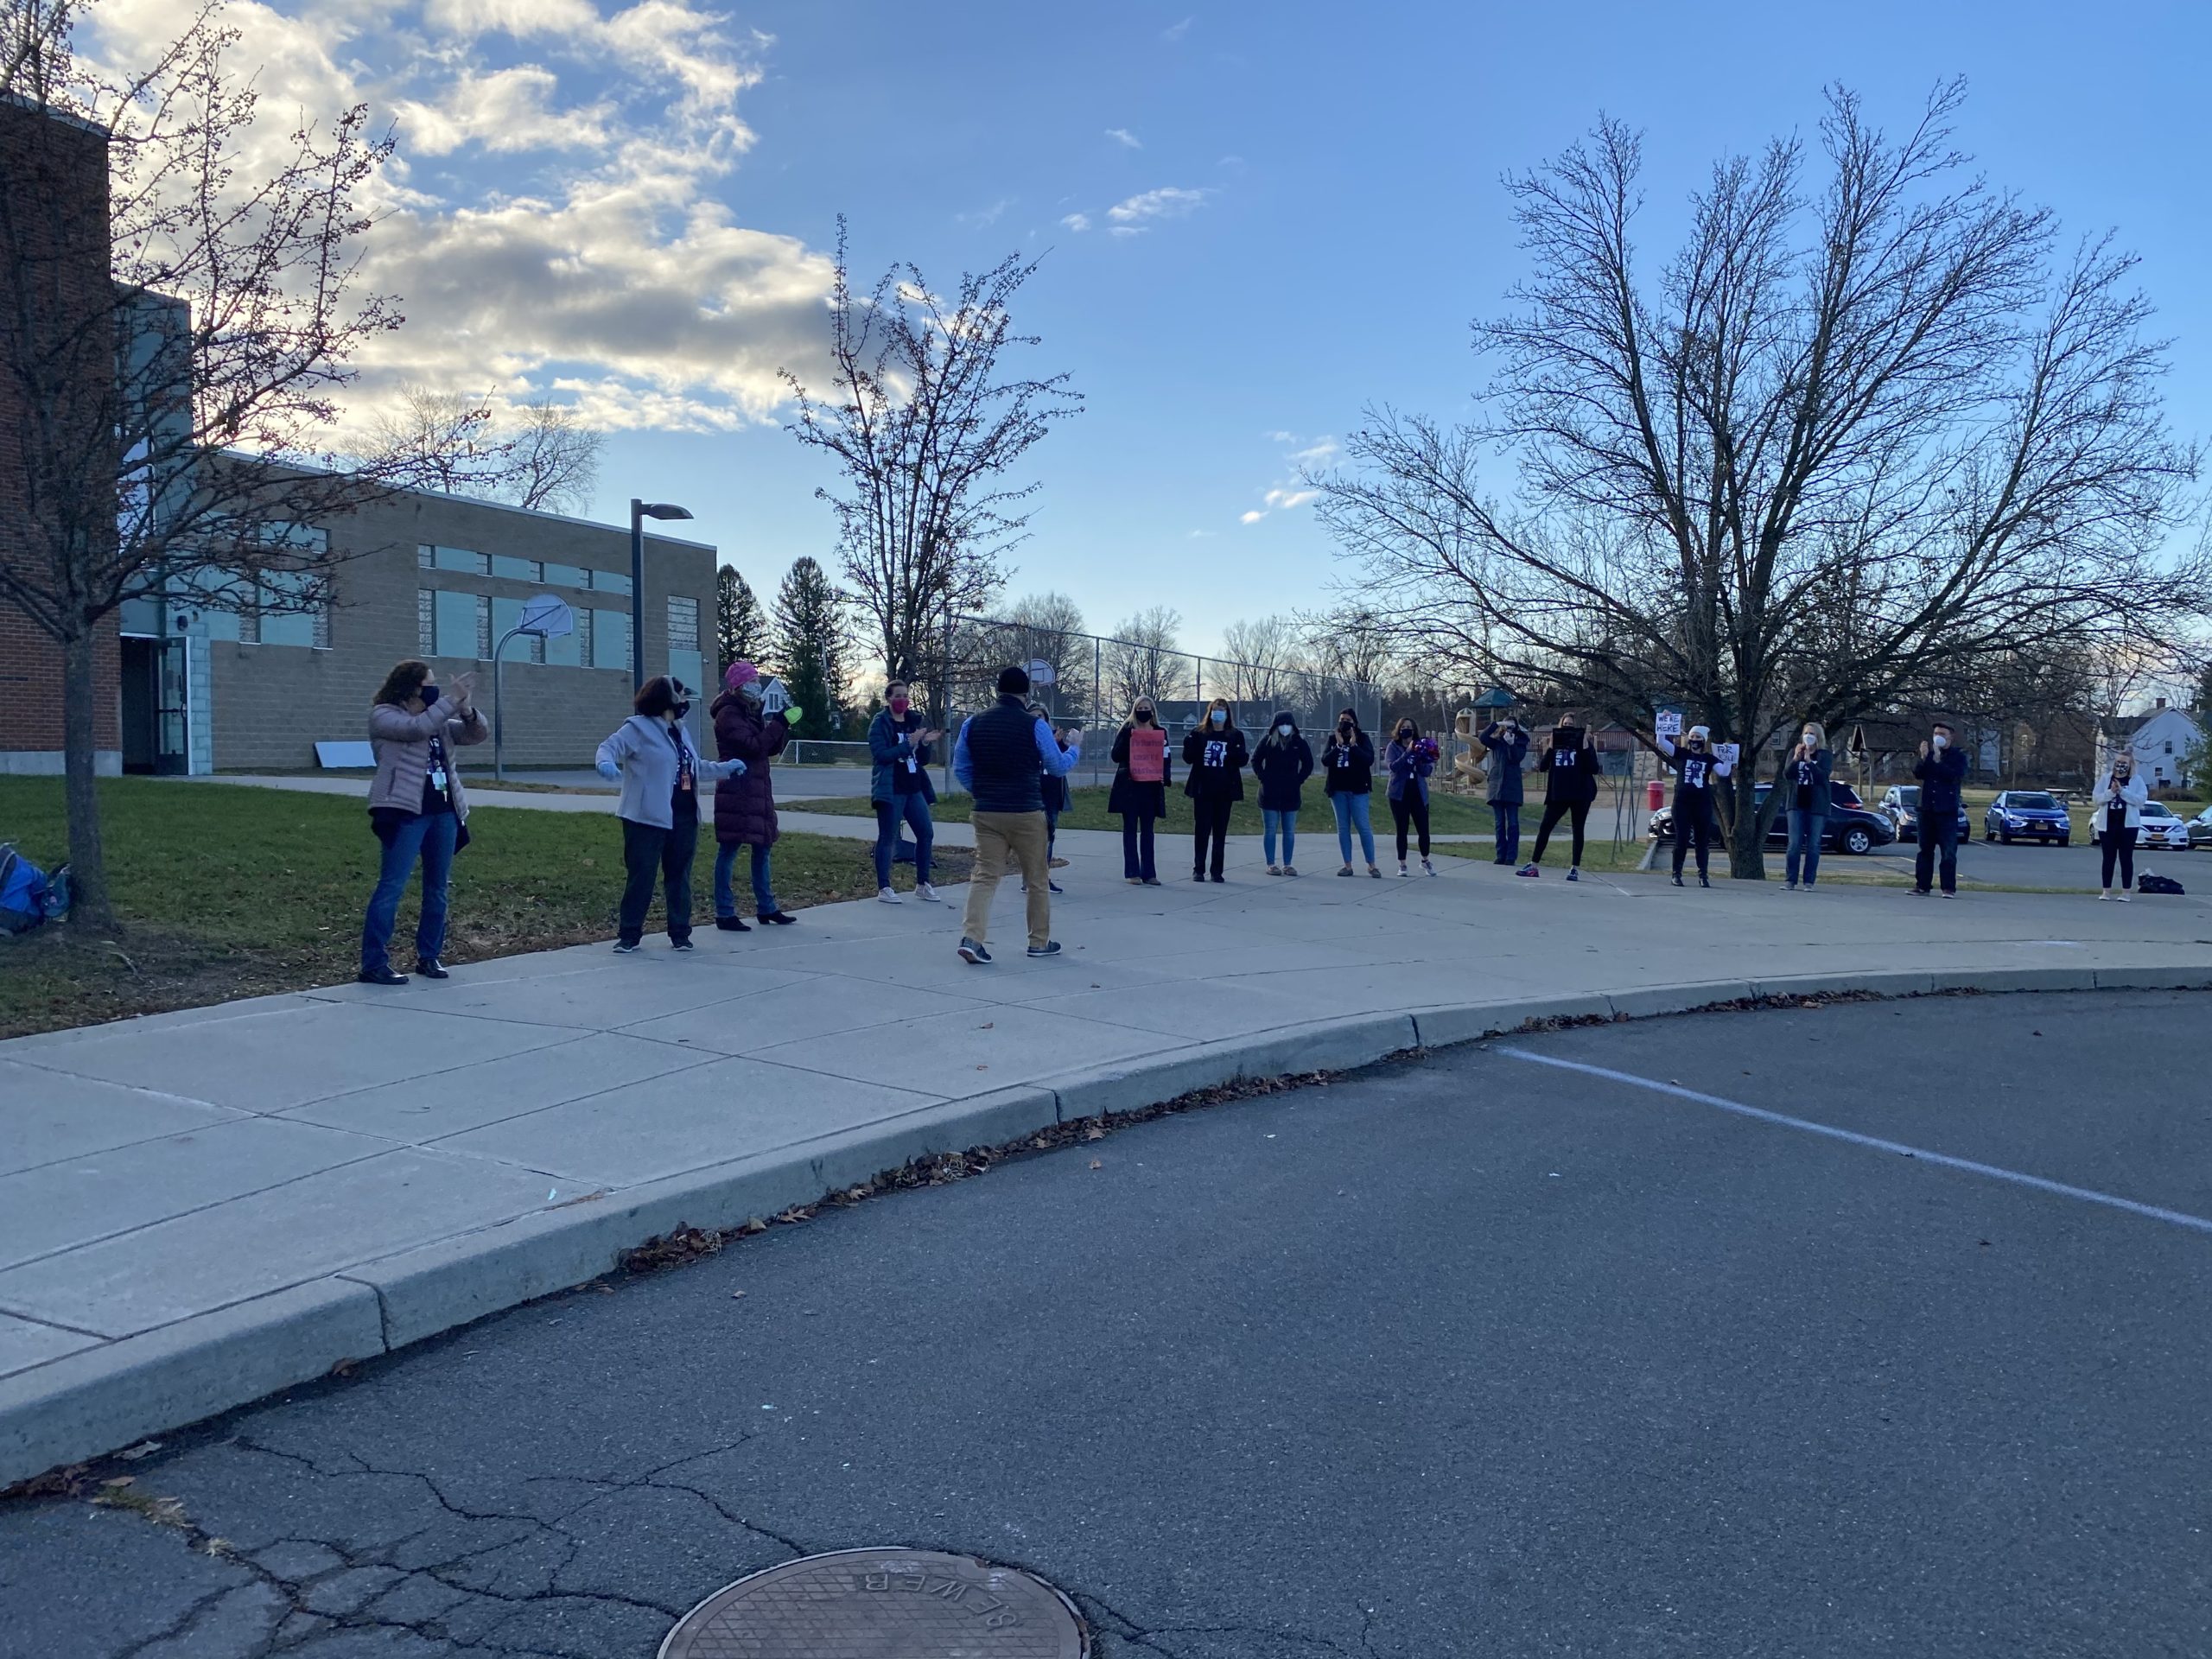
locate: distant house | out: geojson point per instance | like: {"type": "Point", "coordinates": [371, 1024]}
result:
{"type": "Point", "coordinates": [2162, 742]}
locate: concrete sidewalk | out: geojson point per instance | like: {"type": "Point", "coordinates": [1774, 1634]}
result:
{"type": "Point", "coordinates": [202, 1207]}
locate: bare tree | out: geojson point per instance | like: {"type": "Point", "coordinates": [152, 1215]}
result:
{"type": "Point", "coordinates": [1850, 437]}
{"type": "Point", "coordinates": [1258, 656]}
{"type": "Point", "coordinates": [555, 457]}
{"type": "Point", "coordinates": [179, 309]}
{"type": "Point", "coordinates": [1048, 628]}
{"type": "Point", "coordinates": [925, 428]}
{"type": "Point", "coordinates": [1142, 658]}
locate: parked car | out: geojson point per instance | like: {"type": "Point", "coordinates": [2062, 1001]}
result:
{"type": "Point", "coordinates": [2027, 814]}
{"type": "Point", "coordinates": [2161, 827]}
{"type": "Point", "coordinates": [2199, 829]}
{"type": "Point", "coordinates": [1851, 826]}
{"type": "Point", "coordinates": [1901, 805]}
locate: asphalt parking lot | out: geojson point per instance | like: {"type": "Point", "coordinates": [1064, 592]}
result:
{"type": "Point", "coordinates": [1546, 1346]}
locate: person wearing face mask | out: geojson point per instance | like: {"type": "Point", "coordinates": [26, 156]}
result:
{"type": "Point", "coordinates": [1509, 748]}
{"type": "Point", "coordinates": [417, 810]}
{"type": "Point", "coordinates": [1348, 763]}
{"type": "Point", "coordinates": [1411, 758]}
{"type": "Point", "coordinates": [1057, 799]}
{"type": "Point", "coordinates": [2118, 804]}
{"type": "Point", "coordinates": [1805, 784]}
{"type": "Point", "coordinates": [899, 742]}
{"type": "Point", "coordinates": [1695, 769]}
{"type": "Point", "coordinates": [1942, 769]}
{"type": "Point", "coordinates": [1213, 777]}
{"type": "Point", "coordinates": [744, 806]}
{"type": "Point", "coordinates": [1282, 763]}
{"type": "Point", "coordinates": [651, 756]}
{"type": "Point", "coordinates": [1141, 774]}
{"type": "Point", "coordinates": [1569, 760]}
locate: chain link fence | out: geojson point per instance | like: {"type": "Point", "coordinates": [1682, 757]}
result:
{"type": "Point", "coordinates": [1091, 680]}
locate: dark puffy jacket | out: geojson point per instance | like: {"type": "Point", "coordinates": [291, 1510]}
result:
{"type": "Point", "coordinates": [1940, 772]}
{"type": "Point", "coordinates": [1410, 765]}
{"type": "Point", "coordinates": [745, 808]}
{"type": "Point", "coordinates": [1281, 765]}
{"type": "Point", "coordinates": [1506, 754]}
{"type": "Point", "coordinates": [1350, 767]}
{"type": "Point", "coordinates": [1223, 783]}
{"type": "Point", "coordinates": [885, 752]}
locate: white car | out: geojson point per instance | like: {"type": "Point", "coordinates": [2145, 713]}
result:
{"type": "Point", "coordinates": [2162, 828]}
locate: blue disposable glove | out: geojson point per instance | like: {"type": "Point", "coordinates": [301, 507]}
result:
{"type": "Point", "coordinates": [737, 768]}
{"type": "Point", "coordinates": [609, 771]}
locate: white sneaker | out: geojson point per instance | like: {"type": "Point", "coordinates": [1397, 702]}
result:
{"type": "Point", "coordinates": [1403, 871]}
{"type": "Point", "coordinates": [884, 896]}
{"type": "Point", "coordinates": [1427, 868]}
{"type": "Point", "coordinates": [926, 893]}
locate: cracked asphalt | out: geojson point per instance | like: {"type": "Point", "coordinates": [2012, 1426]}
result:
{"type": "Point", "coordinates": [1458, 1356]}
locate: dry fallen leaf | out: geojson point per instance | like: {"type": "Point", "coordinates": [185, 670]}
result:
{"type": "Point", "coordinates": [736, 1295]}
{"type": "Point", "coordinates": [1098, 1163]}
{"type": "Point", "coordinates": [119, 1481]}
{"type": "Point", "coordinates": [987, 1025]}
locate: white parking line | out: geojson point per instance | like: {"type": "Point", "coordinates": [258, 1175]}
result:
{"type": "Point", "coordinates": [2176, 1217]}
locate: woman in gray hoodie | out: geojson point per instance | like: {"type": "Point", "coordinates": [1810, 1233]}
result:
{"type": "Point", "coordinates": [651, 755]}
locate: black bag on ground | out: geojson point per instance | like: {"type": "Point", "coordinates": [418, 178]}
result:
{"type": "Point", "coordinates": [2149, 883]}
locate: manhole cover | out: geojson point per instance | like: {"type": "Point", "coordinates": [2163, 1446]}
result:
{"type": "Point", "coordinates": [882, 1604]}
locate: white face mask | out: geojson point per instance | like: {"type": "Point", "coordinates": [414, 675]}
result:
{"type": "Point", "coordinates": [1809, 740]}
{"type": "Point", "coordinates": [1282, 731]}
{"type": "Point", "coordinates": [1941, 742]}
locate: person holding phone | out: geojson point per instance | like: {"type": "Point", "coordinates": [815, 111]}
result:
{"type": "Point", "coordinates": [1282, 762]}
{"type": "Point", "coordinates": [651, 756]}
{"type": "Point", "coordinates": [1509, 748]}
{"type": "Point", "coordinates": [1214, 754]}
{"type": "Point", "coordinates": [1348, 761]}
{"type": "Point", "coordinates": [417, 810]}
{"type": "Point", "coordinates": [1942, 769]}
{"type": "Point", "coordinates": [1411, 758]}
{"type": "Point", "coordinates": [1696, 767]}
{"type": "Point", "coordinates": [745, 806]}
{"type": "Point", "coordinates": [2119, 808]}
{"type": "Point", "coordinates": [1805, 773]}
{"type": "Point", "coordinates": [899, 742]}
{"type": "Point", "coordinates": [1570, 765]}
{"type": "Point", "coordinates": [1141, 774]}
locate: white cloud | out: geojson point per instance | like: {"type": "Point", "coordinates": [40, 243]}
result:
{"type": "Point", "coordinates": [549, 225]}
{"type": "Point", "coordinates": [1177, 31]}
{"type": "Point", "coordinates": [1138, 214]}
{"type": "Point", "coordinates": [1124, 137]}
{"type": "Point", "coordinates": [1078, 221]}
{"type": "Point", "coordinates": [984, 217]}
{"type": "Point", "coordinates": [1302, 457]}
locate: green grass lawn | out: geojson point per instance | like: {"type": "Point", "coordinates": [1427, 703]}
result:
{"type": "Point", "coordinates": [225, 891]}
{"type": "Point", "coordinates": [1448, 815]}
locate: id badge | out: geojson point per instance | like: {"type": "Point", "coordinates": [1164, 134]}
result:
{"type": "Point", "coordinates": [912, 765]}
{"type": "Point", "coordinates": [683, 782]}
{"type": "Point", "coordinates": [438, 778]}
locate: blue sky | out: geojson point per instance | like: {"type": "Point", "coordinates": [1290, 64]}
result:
{"type": "Point", "coordinates": [580, 178]}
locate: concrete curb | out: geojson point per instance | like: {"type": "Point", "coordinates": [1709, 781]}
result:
{"type": "Point", "coordinates": [85, 1403]}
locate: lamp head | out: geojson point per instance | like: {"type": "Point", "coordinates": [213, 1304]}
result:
{"type": "Point", "coordinates": [663, 510]}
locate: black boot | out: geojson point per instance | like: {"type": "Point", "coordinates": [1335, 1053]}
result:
{"type": "Point", "coordinates": [1678, 878]}
{"type": "Point", "coordinates": [1703, 882]}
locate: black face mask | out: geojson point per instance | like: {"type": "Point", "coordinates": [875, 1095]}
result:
{"type": "Point", "coordinates": [682, 709]}
{"type": "Point", "coordinates": [1144, 716]}
{"type": "Point", "coordinates": [428, 694]}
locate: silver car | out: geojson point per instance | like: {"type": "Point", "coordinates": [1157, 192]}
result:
{"type": "Point", "coordinates": [2199, 829]}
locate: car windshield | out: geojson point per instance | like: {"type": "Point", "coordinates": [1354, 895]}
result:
{"type": "Point", "coordinates": [2032, 803]}
{"type": "Point", "coordinates": [2152, 809]}
{"type": "Point", "coordinates": [1908, 795]}
{"type": "Point", "coordinates": [1842, 794]}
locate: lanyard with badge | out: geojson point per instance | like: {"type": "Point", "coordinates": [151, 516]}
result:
{"type": "Point", "coordinates": [436, 776]}
{"type": "Point", "coordinates": [684, 785]}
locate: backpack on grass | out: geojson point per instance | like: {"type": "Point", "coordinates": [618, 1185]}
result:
{"type": "Point", "coordinates": [2149, 883]}
{"type": "Point", "coordinates": [29, 897]}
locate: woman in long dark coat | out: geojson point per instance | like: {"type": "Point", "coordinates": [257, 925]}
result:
{"type": "Point", "coordinates": [745, 807]}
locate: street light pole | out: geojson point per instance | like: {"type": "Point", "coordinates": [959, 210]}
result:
{"type": "Point", "coordinates": [640, 511]}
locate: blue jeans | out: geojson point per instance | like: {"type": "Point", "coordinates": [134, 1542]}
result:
{"type": "Point", "coordinates": [1354, 809]}
{"type": "Point", "coordinates": [431, 837]}
{"type": "Point", "coordinates": [1805, 831]}
{"type": "Point", "coordinates": [1505, 815]}
{"type": "Point", "coordinates": [913, 810]}
{"type": "Point", "coordinates": [1137, 848]}
{"type": "Point", "coordinates": [1272, 821]}
{"type": "Point", "coordinates": [764, 901]}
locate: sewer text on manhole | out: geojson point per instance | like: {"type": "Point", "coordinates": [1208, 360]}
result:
{"type": "Point", "coordinates": [882, 1604]}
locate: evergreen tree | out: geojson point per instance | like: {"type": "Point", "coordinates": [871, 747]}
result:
{"type": "Point", "coordinates": [810, 643]}
{"type": "Point", "coordinates": [740, 631]}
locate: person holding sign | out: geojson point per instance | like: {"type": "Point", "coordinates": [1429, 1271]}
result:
{"type": "Point", "coordinates": [651, 754]}
{"type": "Point", "coordinates": [1213, 766]}
{"type": "Point", "coordinates": [1141, 774]}
{"type": "Point", "coordinates": [1696, 766]}
{"type": "Point", "coordinates": [899, 742]}
{"type": "Point", "coordinates": [1569, 762]}
{"type": "Point", "coordinates": [1805, 789]}
{"type": "Point", "coordinates": [417, 808]}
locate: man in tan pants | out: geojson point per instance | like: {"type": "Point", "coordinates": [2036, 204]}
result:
{"type": "Point", "coordinates": [1001, 758]}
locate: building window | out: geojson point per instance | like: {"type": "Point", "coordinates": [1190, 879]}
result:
{"type": "Point", "coordinates": [465, 560]}
{"type": "Point", "coordinates": [320, 619]}
{"type": "Point", "coordinates": [426, 622]}
{"type": "Point", "coordinates": [483, 628]}
{"type": "Point", "coordinates": [610, 640]}
{"type": "Point", "coordinates": [582, 638]}
{"type": "Point", "coordinates": [567, 576]}
{"type": "Point", "coordinates": [610, 581]}
{"type": "Point", "coordinates": [682, 623]}
{"type": "Point", "coordinates": [516, 569]}
{"type": "Point", "coordinates": [425, 557]}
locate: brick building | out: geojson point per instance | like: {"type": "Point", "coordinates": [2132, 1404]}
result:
{"type": "Point", "coordinates": [53, 251]}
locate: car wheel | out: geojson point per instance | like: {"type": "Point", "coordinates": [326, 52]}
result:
{"type": "Point", "coordinates": [2066, 840]}
{"type": "Point", "coordinates": [1859, 840]}
{"type": "Point", "coordinates": [2006, 840]}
